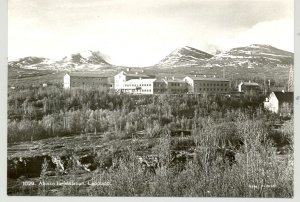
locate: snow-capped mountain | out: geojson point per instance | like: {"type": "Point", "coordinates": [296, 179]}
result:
{"type": "Point", "coordinates": [28, 62]}
{"type": "Point", "coordinates": [184, 57]}
{"type": "Point", "coordinates": [85, 57]}
{"type": "Point", "coordinates": [255, 55]}
{"type": "Point", "coordinates": [88, 60]}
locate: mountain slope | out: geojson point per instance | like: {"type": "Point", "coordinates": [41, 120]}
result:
{"type": "Point", "coordinates": [183, 57]}
{"type": "Point", "coordinates": [255, 55]}
{"type": "Point", "coordinates": [26, 61]}
{"type": "Point", "coordinates": [85, 60]}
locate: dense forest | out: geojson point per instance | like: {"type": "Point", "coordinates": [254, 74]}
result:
{"type": "Point", "coordinates": [37, 113]}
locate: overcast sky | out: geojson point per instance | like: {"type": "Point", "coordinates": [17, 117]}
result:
{"type": "Point", "coordinates": [142, 32]}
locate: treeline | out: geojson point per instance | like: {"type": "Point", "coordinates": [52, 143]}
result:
{"type": "Point", "coordinates": [37, 113]}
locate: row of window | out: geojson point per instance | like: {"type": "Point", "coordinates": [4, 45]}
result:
{"type": "Point", "coordinates": [89, 84]}
{"type": "Point", "coordinates": [159, 90]}
{"type": "Point", "coordinates": [158, 84]}
{"type": "Point", "coordinates": [134, 85]}
{"type": "Point", "coordinates": [146, 90]}
{"type": "Point", "coordinates": [213, 84]}
{"type": "Point", "coordinates": [212, 89]}
{"type": "Point", "coordinates": [143, 90]}
{"type": "Point", "coordinates": [175, 84]}
{"type": "Point", "coordinates": [88, 79]}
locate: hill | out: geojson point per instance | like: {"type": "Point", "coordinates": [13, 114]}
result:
{"type": "Point", "coordinates": [185, 56]}
{"type": "Point", "coordinates": [85, 60]}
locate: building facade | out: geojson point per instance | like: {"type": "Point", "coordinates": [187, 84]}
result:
{"type": "Point", "coordinates": [280, 103]}
{"type": "Point", "coordinates": [249, 87]}
{"type": "Point", "coordinates": [200, 85]}
{"type": "Point", "coordinates": [176, 86]}
{"type": "Point", "coordinates": [83, 80]}
{"type": "Point", "coordinates": [121, 78]}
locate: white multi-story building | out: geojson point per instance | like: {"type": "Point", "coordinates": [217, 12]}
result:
{"type": "Point", "coordinates": [122, 77]}
{"type": "Point", "coordinates": [127, 82]}
{"type": "Point", "coordinates": [144, 86]}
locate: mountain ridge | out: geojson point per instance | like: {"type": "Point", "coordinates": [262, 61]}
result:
{"type": "Point", "coordinates": [254, 55]}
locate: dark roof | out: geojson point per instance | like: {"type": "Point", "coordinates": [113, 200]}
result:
{"type": "Point", "coordinates": [159, 80]}
{"type": "Point", "coordinates": [284, 96]}
{"type": "Point", "coordinates": [174, 81]}
{"type": "Point", "coordinates": [276, 88]}
{"type": "Point", "coordinates": [207, 78]}
{"type": "Point", "coordinates": [88, 74]}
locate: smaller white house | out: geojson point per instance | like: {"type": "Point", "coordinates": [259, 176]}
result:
{"type": "Point", "coordinates": [280, 103]}
{"type": "Point", "coordinates": [67, 81]}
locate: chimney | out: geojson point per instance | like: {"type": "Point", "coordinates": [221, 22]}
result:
{"type": "Point", "coordinates": [166, 78]}
{"type": "Point", "coordinates": [195, 75]}
{"type": "Point", "coordinates": [136, 73]}
{"type": "Point", "coordinates": [249, 81]}
{"type": "Point", "coordinates": [214, 76]}
{"type": "Point", "coordinates": [140, 78]}
{"type": "Point", "coordinates": [283, 91]}
{"type": "Point", "coordinates": [173, 78]}
{"type": "Point", "coordinates": [128, 69]}
{"type": "Point", "coordinates": [204, 75]}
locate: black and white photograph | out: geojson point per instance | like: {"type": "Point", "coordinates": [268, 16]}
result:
{"type": "Point", "coordinates": [142, 98]}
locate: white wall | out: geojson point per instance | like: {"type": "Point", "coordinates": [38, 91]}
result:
{"type": "Point", "coordinates": [272, 104]}
{"type": "Point", "coordinates": [190, 82]}
{"type": "Point", "coordinates": [67, 81]}
{"type": "Point", "coordinates": [119, 80]}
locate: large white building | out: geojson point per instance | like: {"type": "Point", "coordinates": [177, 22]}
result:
{"type": "Point", "coordinates": [135, 83]}
{"type": "Point", "coordinates": [144, 86]}
{"type": "Point", "coordinates": [121, 78]}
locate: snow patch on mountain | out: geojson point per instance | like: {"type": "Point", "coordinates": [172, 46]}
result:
{"type": "Point", "coordinates": [185, 56]}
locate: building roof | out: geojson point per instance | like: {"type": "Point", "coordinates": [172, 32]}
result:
{"type": "Point", "coordinates": [88, 74]}
{"type": "Point", "coordinates": [174, 81]}
{"type": "Point", "coordinates": [196, 78]}
{"type": "Point", "coordinates": [276, 88]}
{"type": "Point", "coordinates": [160, 80]}
{"type": "Point", "coordinates": [284, 96]}
{"type": "Point", "coordinates": [249, 84]}
{"type": "Point", "coordinates": [135, 75]}
{"type": "Point", "coordinates": [140, 80]}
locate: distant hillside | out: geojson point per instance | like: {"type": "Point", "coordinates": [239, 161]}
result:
{"type": "Point", "coordinates": [85, 60]}
{"type": "Point", "coordinates": [255, 55]}
{"type": "Point", "coordinates": [183, 57]}
{"type": "Point", "coordinates": [26, 61]}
